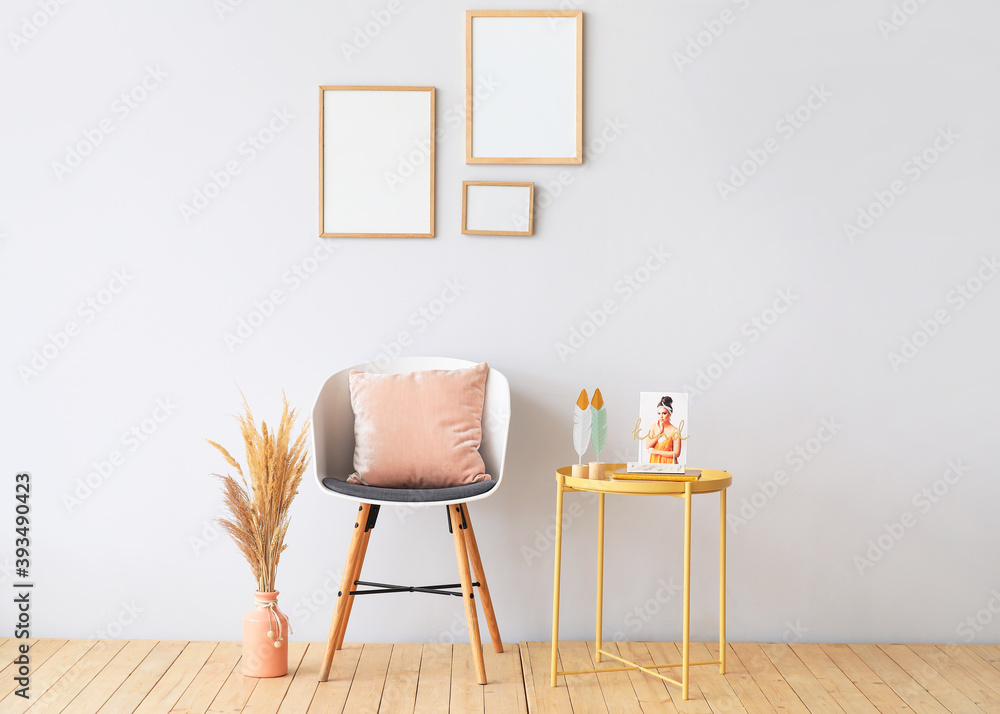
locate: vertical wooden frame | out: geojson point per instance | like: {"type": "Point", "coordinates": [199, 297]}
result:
{"type": "Point", "coordinates": [531, 209]}
{"type": "Point", "coordinates": [470, 87]}
{"type": "Point", "coordinates": [427, 155]}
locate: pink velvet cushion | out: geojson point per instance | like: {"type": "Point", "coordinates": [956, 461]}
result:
{"type": "Point", "coordinates": [419, 430]}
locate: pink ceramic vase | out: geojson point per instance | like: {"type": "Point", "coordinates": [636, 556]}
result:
{"type": "Point", "coordinates": [265, 638]}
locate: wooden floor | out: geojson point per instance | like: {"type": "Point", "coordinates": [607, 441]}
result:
{"type": "Point", "coordinates": [119, 676]}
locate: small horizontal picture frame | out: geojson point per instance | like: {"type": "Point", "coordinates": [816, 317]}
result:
{"type": "Point", "coordinates": [498, 208]}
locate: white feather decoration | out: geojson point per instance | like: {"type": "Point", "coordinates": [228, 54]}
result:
{"type": "Point", "coordinates": [582, 419]}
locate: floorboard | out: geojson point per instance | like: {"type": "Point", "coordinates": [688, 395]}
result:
{"type": "Point", "coordinates": [38, 652]}
{"type": "Point", "coordinates": [434, 683]}
{"type": "Point", "coordinates": [153, 677]}
{"type": "Point", "coordinates": [616, 687]}
{"type": "Point", "coordinates": [331, 696]}
{"type": "Point", "coordinates": [45, 676]}
{"type": "Point", "coordinates": [305, 679]}
{"type": "Point", "coordinates": [718, 692]}
{"type": "Point", "coordinates": [669, 653]}
{"type": "Point", "coordinates": [209, 680]}
{"type": "Point", "coordinates": [504, 691]}
{"type": "Point", "coordinates": [839, 685]}
{"type": "Point", "coordinates": [584, 689]}
{"type": "Point", "coordinates": [103, 685]}
{"type": "Point", "coordinates": [543, 698]}
{"type": "Point", "coordinates": [809, 689]}
{"type": "Point", "coordinates": [369, 679]}
{"type": "Point", "coordinates": [143, 678]}
{"type": "Point", "coordinates": [774, 686]}
{"type": "Point", "coordinates": [901, 681]}
{"type": "Point", "coordinates": [165, 693]}
{"type": "Point", "coordinates": [269, 693]}
{"type": "Point", "coordinates": [935, 682]}
{"type": "Point", "coordinates": [650, 691]}
{"type": "Point", "coordinates": [466, 693]}
{"type": "Point", "coordinates": [399, 696]}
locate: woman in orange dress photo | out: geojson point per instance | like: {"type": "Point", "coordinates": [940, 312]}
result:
{"type": "Point", "coordinates": [664, 442]}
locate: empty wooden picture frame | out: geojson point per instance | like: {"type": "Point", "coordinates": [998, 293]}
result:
{"type": "Point", "coordinates": [523, 87]}
{"type": "Point", "coordinates": [376, 162]}
{"type": "Point", "coordinates": [498, 208]}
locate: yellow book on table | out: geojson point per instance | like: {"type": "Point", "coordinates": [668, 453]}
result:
{"type": "Point", "coordinates": [688, 475]}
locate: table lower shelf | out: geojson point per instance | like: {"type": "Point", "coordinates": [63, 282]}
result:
{"type": "Point", "coordinates": [632, 666]}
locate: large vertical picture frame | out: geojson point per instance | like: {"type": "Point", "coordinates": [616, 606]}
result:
{"type": "Point", "coordinates": [524, 87]}
{"type": "Point", "coordinates": [376, 162]}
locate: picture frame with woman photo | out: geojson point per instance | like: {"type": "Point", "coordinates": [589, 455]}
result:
{"type": "Point", "coordinates": [661, 431]}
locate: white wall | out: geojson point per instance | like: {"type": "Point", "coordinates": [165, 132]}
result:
{"type": "Point", "coordinates": [660, 139]}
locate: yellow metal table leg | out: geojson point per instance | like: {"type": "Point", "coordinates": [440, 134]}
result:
{"type": "Point", "coordinates": [600, 576]}
{"type": "Point", "coordinates": [722, 581]}
{"type": "Point", "coordinates": [555, 585]}
{"type": "Point", "coordinates": [686, 645]}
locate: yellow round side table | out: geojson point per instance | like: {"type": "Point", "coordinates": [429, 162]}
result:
{"type": "Point", "coordinates": [710, 481]}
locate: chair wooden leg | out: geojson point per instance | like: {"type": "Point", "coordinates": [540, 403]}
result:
{"type": "Point", "coordinates": [455, 513]}
{"type": "Point", "coordinates": [359, 562]}
{"type": "Point", "coordinates": [479, 574]}
{"type": "Point", "coordinates": [357, 537]}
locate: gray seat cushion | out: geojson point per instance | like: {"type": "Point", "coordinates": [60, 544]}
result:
{"type": "Point", "coordinates": [408, 495]}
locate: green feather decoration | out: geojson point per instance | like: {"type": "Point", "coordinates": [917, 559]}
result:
{"type": "Point", "coordinates": [599, 429]}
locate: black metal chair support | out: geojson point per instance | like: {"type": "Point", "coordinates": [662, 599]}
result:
{"type": "Point", "coordinates": [384, 588]}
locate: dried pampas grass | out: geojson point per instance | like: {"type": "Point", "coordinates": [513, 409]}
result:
{"type": "Point", "coordinates": [259, 509]}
